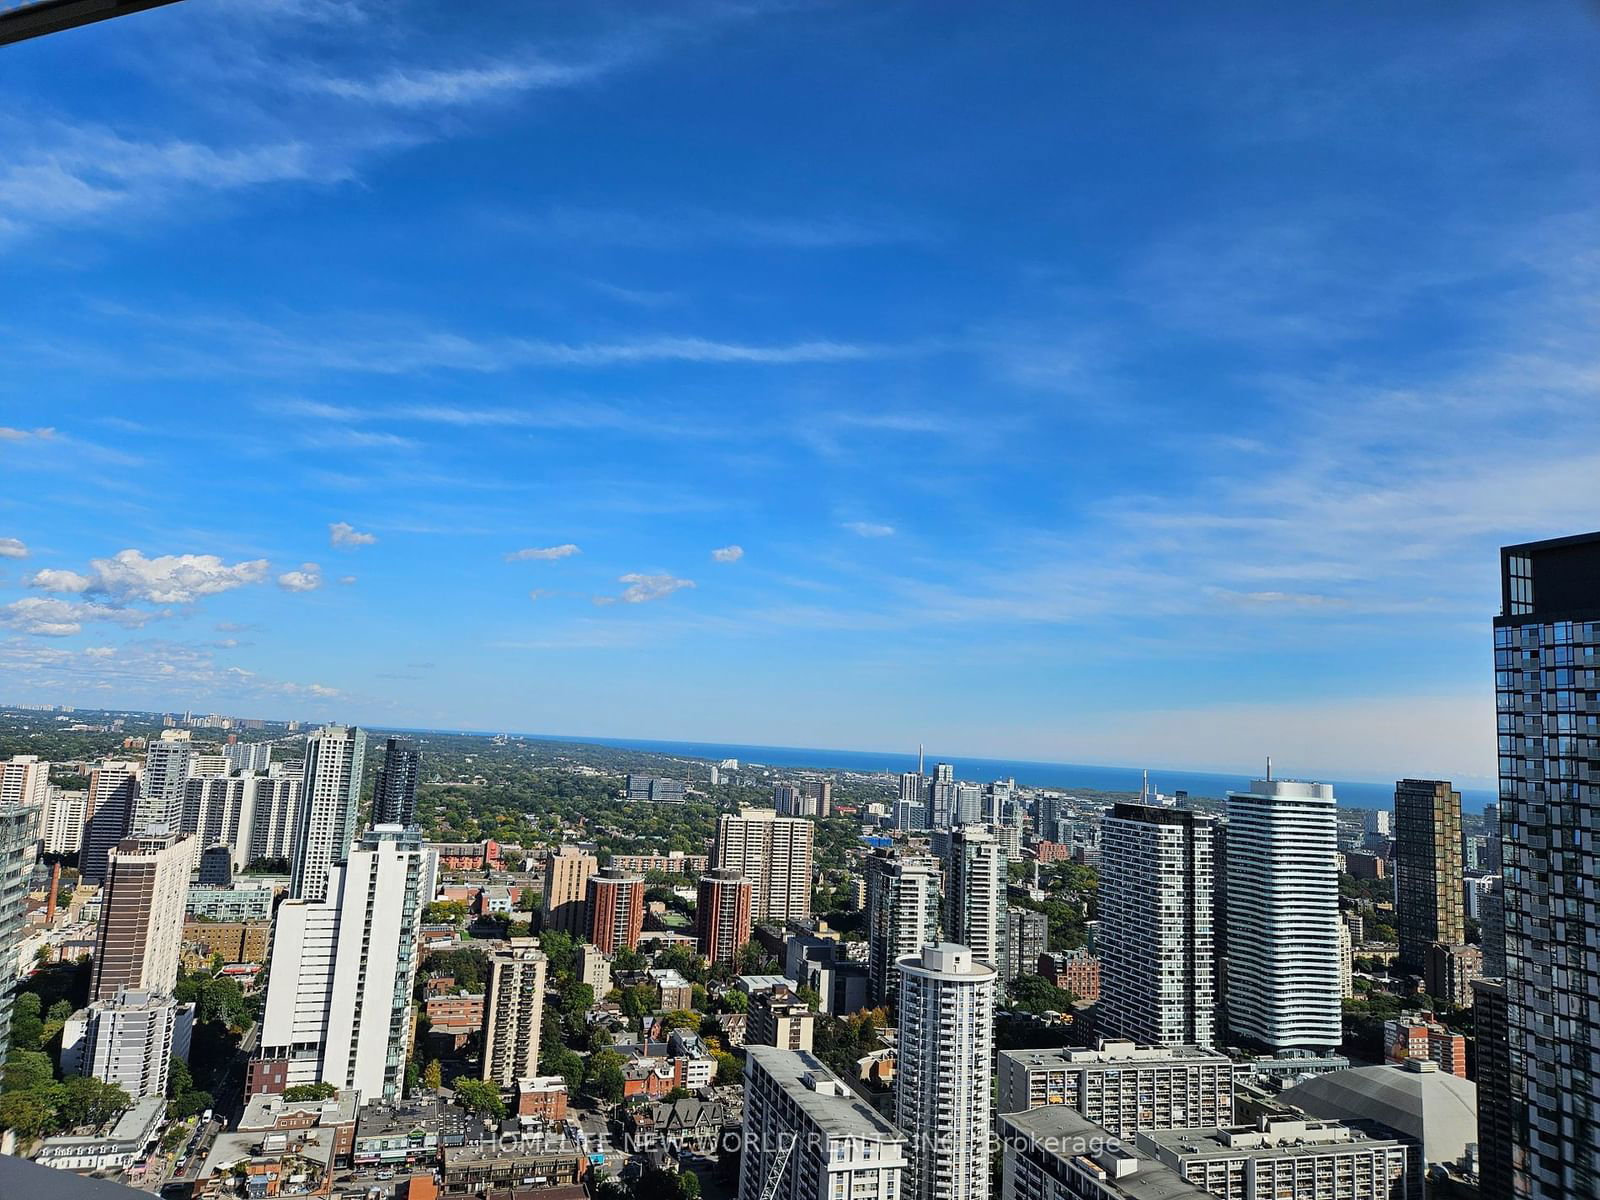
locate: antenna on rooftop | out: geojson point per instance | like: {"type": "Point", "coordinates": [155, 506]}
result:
{"type": "Point", "coordinates": [1269, 768]}
{"type": "Point", "coordinates": [919, 758]}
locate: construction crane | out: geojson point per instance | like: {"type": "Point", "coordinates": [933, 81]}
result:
{"type": "Point", "coordinates": [786, 1142]}
{"type": "Point", "coordinates": [35, 18]}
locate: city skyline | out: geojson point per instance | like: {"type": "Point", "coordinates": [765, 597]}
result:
{"type": "Point", "coordinates": [1187, 456]}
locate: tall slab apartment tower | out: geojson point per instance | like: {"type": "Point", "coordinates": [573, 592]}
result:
{"type": "Point", "coordinates": [1547, 702]}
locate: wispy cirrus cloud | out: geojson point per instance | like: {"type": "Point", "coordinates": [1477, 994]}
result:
{"type": "Point", "coordinates": [869, 529]}
{"type": "Point", "coordinates": [431, 87]}
{"type": "Point", "coordinates": [64, 175]}
{"type": "Point", "coordinates": [727, 554]}
{"type": "Point", "coordinates": [699, 228]}
{"type": "Point", "coordinates": [543, 553]}
{"type": "Point", "coordinates": [11, 547]}
{"type": "Point", "coordinates": [232, 345]}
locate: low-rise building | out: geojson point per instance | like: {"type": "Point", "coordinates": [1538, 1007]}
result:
{"type": "Point", "coordinates": [467, 856]}
{"type": "Point", "coordinates": [1305, 1159]}
{"type": "Point", "coordinates": [122, 1142]}
{"type": "Point", "coordinates": [1121, 1086]}
{"type": "Point", "coordinates": [685, 1124]}
{"type": "Point", "coordinates": [1054, 1153]}
{"type": "Point", "coordinates": [391, 1135]}
{"type": "Point", "coordinates": [455, 1008]}
{"type": "Point", "coordinates": [282, 1146]}
{"type": "Point", "coordinates": [236, 941]}
{"type": "Point", "coordinates": [655, 1068]}
{"type": "Point", "coordinates": [1419, 1036]}
{"type": "Point", "coordinates": [1437, 1111]}
{"type": "Point", "coordinates": [779, 1017]}
{"type": "Point", "coordinates": [676, 991]}
{"type": "Point", "coordinates": [543, 1098]}
{"type": "Point", "coordinates": [1076, 971]}
{"type": "Point", "coordinates": [530, 1160]}
{"type": "Point", "coordinates": [246, 902]}
{"type": "Point", "coordinates": [673, 862]}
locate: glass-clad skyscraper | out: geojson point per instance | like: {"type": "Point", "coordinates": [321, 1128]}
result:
{"type": "Point", "coordinates": [1547, 701]}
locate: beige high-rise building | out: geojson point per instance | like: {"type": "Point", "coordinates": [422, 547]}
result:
{"type": "Point", "coordinates": [566, 891]}
{"type": "Point", "coordinates": [775, 855]}
{"type": "Point", "coordinates": [513, 1008]}
{"type": "Point", "coordinates": [24, 779]}
{"type": "Point", "coordinates": [141, 916]}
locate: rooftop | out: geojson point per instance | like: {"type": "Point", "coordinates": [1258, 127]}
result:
{"type": "Point", "coordinates": [264, 1110]}
{"type": "Point", "coordinates": [816, 1091]}
{"type": "Point", "coordinates": [1112, 1052]}
{"type": "Point", "coordinates": [1124, 1171]}
{"type": "Point", "coordinates": [1273, 1136]}
{"type": "Point", "coordinates": [1435, 1107]}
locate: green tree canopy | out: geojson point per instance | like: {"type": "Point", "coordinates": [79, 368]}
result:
{"type": "Point", "coordinates": [481, 1097]}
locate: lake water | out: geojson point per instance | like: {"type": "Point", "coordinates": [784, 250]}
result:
{"type": "Point", "coordinates": [1066, 776]}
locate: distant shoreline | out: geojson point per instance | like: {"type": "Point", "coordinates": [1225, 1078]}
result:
{"type": "Point", "coordinates": [1066, 776]}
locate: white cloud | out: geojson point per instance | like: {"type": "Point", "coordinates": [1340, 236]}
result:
{"type": "Point", "coordinates": [74, 174]}
{"type": "Point", "coordinates": [566, 550]}
{"type": "Point", "coordinates": [728, 554]}
{"type": "Point", "coordinates": [166, 579]}
{"type": "Point", "coordinates": [651, 587]}
{"type": "Point", "coordinates": [7, 434]}
{"type": "Point", "coordinates": [13, 548]}
{"type": "Point", "coordinates": [44, 617]}
{"type": "Point", "coordinates": [307, 579]}
{"type": "Point", "coordinates": [428, 88]}
{"type": "Point", "coordinates": [347, 580]}
{"type": "Point", "coordinates": [53, 580]}
{"type": "Point", "coordinates": [342, 533]}
{"type": "Point", "coordinates": [537, 594]}
{"type": "Point", "coordinates": [869, 529]}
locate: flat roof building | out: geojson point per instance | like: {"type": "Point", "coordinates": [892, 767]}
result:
{"type": "Point", "coordinates": [1123, 1087]}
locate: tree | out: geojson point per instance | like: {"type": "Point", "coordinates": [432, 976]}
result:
{"type": "Point", "coordinates": [444, 912]}
{"type": "Point", "coordinates": [577, 998]}
{"type": "Point", "coordinates": [728, 1068]}
{"type": "Point", "coordinates": [1036, 994]}
{"type": "Point", "coordinates": [26, 1113]}
{"type": "Point", "coordinates": [88, 1101]}
{"type": "Point", "coordinates": [433, 1076]}
{"type": "Point", "coordinates": [481, 1097]}
{"type": "Point", "coordinates": [735, 1000]}
{"type": "Point", "coordinates": [561, 950]}
{"type": "Point", "coordinates": [628, 960]}
{"type": "Point", "coordinates": [602, 1077]}
{"type": "Point", "coordinates": [26, 1023]}
{"type": "Point", "coordinates": [558, 1060]}
{"type": "Point", "coordinates": [28, 1071]}
{"type": "Point", "coordinates": [321, 1090]}
{"type": "Point", "coordinates": [184, 1099]}
{"type": "Point", "coordinates": [680, 1019]}
{"type": "Point", "coordinates": [638, 1000]}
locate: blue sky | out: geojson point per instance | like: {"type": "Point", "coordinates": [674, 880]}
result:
{"type": "Point", "coordinates": [1145, 383]}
